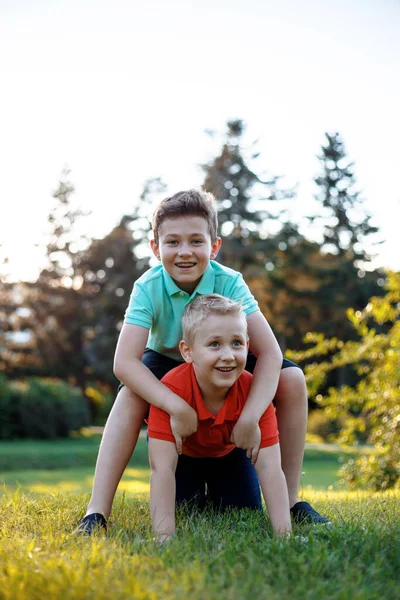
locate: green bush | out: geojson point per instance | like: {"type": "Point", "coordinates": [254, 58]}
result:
{"type": "Point", "coordinates": [324, 426]}
{"type": "Point", "coordinates": [40, 409]}
{"type": "Point", "coordinates": [102, 400]}
{"type": "Point", "coordinates": [370, 408]}
{"type": "Point", "coordinates": [7, 408]}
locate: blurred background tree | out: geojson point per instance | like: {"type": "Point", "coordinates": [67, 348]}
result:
{"type": "Point", "coordinates": [66, 323]}
{"type": "Point", "coordinates": [346, 275]}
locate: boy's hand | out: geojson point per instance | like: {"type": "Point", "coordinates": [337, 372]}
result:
{"type": "Point", "coordinates": [247, 435]}
{"type": "Point", "coordinates": [183, 423]}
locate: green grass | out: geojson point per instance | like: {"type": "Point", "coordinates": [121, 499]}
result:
{"type": "Point", "coordinates": [213, 557]}
{"type": "Point", "coordinates": [221, 557]}
{"type": "Point", "coordinates": [57, 454]}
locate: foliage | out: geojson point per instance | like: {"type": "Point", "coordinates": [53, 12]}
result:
{"type": "Point", "coordinates": [372, 406]}
{"type": "Point", "coordinates": [40, 408]}
{"type": "Point", "coordinates": [72, 314]}
{"type": "Point", "coordinates": [66, 324]}
{"type": "Point", "coordinates": [230, 556]}
{"type": "Point", "coordinates": [324, 426]}
{"type": "Point", "coordinates": [102, 400]}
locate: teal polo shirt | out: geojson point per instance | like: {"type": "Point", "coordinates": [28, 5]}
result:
{"type": "Point", "coordinates": [157, 303]}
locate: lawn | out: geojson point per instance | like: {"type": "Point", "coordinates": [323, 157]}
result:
{"type": "Point", "coordinates": [213, 557]}
{"type": "Point", "coordinates": [225, 557]}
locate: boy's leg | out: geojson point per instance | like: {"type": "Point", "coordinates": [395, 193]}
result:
{"type": "Point", "coordinates": [291, 412]}
{"type": "Point", "coordinates": [291, 403]}
{"type": "Point", "coordinates": [120, 436]}
{"type": "Point", "coordinates": [116, 448]}
{"type": "Point", "coordinates": [190, 481]}
{"type": "Point", "coordinates": [232, 481]}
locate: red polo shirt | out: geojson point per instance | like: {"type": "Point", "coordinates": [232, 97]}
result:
{"type": "Point", "coordinates": [212, 437]}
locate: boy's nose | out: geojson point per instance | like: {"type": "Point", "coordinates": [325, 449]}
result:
{"type": "Point", "coordinates": [184, 250]}
{"type": "Point", "coordinates": [227, 353]}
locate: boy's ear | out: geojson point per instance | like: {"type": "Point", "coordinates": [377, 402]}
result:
{"type": "Point", "coordinates": [215, 248]}
{"type": "Point", "coordinates": [155, 249]}
{"type": "Point", "coordinates": [185, 351]}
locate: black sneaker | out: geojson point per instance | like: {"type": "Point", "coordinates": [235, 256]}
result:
{"type": "Point", "coordinates": [92, 523]}
{"type": "Point", "coordinates": [303, 512]}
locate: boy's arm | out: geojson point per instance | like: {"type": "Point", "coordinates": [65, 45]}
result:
{"type": "Point", "coordinates": [129, 369]}
{"type": "Point", "coordinates": [274, 488]}
{"type": "Point", "coordinates": [163, 460]}
{"type": "Point", "coordinates": [246, 433]}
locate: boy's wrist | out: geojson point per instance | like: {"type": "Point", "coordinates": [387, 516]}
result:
{"type": "Point", "coordinates": [250, 416]}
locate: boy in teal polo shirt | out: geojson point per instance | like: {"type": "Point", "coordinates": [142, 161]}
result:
{"type": "Point", "coordinates": [186, 243]}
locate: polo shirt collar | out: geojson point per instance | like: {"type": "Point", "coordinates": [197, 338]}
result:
{"type": "Point", "coordinates": [229, 410]}
{"type": "Point", "coordinates": [207, 282]}
{"type": "Point", "coordinates": [170, 284]}
{"type": "Point", "coordinates": [205, 285]}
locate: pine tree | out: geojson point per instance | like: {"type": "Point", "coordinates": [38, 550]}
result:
{"type": "Point", "coordinates": [246, 203]}
{"type": "Point", "coordinates": [343, 274]}
{"type": "Point", "coordinates": [345, 280]}
{"type": "Point", "coordinates": [258, 239]}
{"type": "Point", "coordinates": [346, 225]}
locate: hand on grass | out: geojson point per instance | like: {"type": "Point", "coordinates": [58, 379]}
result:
{"type": "Point", "coordinates": [247, 435]}
{"type": "Point", "coordinates": [183, 423]}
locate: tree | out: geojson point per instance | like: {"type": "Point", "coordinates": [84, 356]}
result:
{"type": "Point", "coordinates": [346, 225]}
{"type": "Point", "coordinates": [114, 263]}
{"type": "Point", "coordinates": [372, 406]}
{"type": "Point", "coordinates": [344, 275]}
{"type": "Point", "coordinates": [58, 303]}
{"type": "Point", "coordinates": [250, 211]}
{"type": "Point", "coordinates": [246, 203]}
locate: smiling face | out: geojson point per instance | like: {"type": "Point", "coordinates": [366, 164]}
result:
{"type": "Point", "coordinates": [218, 352]}
{"type": "Point", "coordinates": [185, 249]}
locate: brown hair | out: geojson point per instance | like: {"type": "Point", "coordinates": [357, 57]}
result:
{"type": "Point", "coordinates": [194, 203]}
{"type": "Point", "coordinates": [197, 311]}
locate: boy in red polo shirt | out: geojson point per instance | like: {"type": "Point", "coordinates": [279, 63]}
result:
{"type": "Point", "coordinates": [214, 383]}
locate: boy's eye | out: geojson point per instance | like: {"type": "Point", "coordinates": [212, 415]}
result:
{"type": "Point", "coordinates": [237, 343]}
{"type": "Point", "coordinates": [171, 242]}
{"type": "Point", "coordinates": [214, 344]}
{"type": "Point", "coordinates": [197, 241]}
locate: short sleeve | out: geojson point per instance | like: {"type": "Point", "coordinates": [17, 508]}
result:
{"type": "Point", "coordinates": [269, 428]}
{"type": "Point", "coordinates": [239, 292]}
{"type": "Point", "coordinates": [140, 310]}
{"type": "Point", "coordinates": [159, 426]}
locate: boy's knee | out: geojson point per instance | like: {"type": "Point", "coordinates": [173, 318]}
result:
{"type": "Point", "coordinates": [292, 389]}
{"type": "Point", "coordinates": [292, 377]}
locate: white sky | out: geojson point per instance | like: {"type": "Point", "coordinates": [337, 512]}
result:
{"type": "Point", "coordinates": [123, 90]}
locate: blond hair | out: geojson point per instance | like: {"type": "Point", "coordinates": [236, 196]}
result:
{"type": "Point", "coordinates": [193, 203]}
{"type": "Point", "coordinates": [197, 311]}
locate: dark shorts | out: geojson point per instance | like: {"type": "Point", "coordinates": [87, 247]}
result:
{"type": "Point", "coordinates": [228, 481]}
